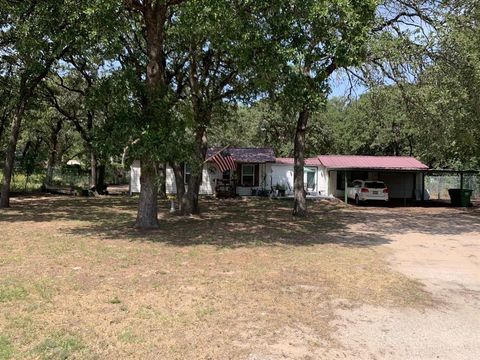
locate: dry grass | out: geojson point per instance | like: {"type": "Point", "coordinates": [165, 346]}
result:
{"type": "Point", "coordinates": [77, 281]}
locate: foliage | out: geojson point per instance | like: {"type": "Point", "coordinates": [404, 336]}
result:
{"type": "Point", "coordinates": [311, 40]}
{"type": "Point", "coordinates": [243, 71]}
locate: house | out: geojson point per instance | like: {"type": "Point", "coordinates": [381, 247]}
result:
{"type": "Point", "coordinates": [324, 175]}
{"type": "Point", "coordinates": [250, 175]}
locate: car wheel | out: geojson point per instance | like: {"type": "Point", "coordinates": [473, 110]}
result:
{"type": "Point", "coordinates": [357, 200]}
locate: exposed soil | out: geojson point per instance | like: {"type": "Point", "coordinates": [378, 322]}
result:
{"type": "Point", "coordinates": [441, 248]}
{"type": "Point", "coordinates": [242, 281]}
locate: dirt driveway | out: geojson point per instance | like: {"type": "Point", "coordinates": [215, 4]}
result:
{"type": "Point", "coordinates": [441, 248]}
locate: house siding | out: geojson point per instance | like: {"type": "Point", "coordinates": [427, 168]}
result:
{"type": "Point", "coordinates": [206, 188]}
{"type": "Point", "coordinates": [209, 173]}
{"type": "Point", "coordinates": [267, 175]}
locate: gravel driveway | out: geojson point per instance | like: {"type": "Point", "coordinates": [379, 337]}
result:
{"type": "Point", "coordinates": [441, 248]}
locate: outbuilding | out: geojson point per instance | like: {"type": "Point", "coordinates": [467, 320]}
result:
{"type": "Point", "coordinates": [403, 175]}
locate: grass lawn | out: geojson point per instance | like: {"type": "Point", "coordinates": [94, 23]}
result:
{"type": "Point", "coordinates": [77, 281]}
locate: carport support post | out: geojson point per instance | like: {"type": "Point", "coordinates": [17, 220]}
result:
{"type": "Point", "coordinates": [345, 181]}
{"type": "Point", "coordinates": [461, 180]}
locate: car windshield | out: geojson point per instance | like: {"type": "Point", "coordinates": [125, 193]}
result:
{"type": "Point", "coordinates": [375, 185]}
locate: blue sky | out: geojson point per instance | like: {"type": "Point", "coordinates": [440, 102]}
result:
{"type": "Point", "coordinates": [340, 86]}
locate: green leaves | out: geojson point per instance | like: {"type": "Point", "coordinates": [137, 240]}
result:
{"type": "Point", "coordinates": [312, 39]}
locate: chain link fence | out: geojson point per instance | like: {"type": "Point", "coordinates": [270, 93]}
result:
{"type": "Point", "coordinates": [438, 185]}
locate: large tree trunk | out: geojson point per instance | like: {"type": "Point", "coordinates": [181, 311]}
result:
{"type": "Point", "coordinates": [148, 202]}
{"type": "Point", "coordinates": [155, 17]}
{"type": "Point", "coordinates": [179, 184]}
{"type": "Point", "coordinates": [300, 196]}
{"type": "Point", "coordinates": [52, 157]}
{"type": "Point", "coordinates": [190, 204]}
{"type": "Point", "coordinates": [101, 186]}
{"type": "Point", "coordinates": [190, 200]}
{"type": "Point", "coordinates": [10, 156]}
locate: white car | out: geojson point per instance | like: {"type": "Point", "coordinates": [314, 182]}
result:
{"type": "Point", "coordinates": [365, 190]}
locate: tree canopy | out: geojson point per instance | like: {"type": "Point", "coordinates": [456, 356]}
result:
{"type": "Point", "coordinates": [108, 82]}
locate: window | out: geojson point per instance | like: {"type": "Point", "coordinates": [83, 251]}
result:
{"type": "Point", "coordinates": [248, 175]}
{"type": "Point", "coordinates": [310, 178]}
{"type": "Point", "coordinates": [226, 176]}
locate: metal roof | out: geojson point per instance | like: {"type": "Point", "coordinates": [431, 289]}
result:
{"type": "Point", "coordinates": [371, 162]}
{"type": "Point", "coordinates": [247, 155]}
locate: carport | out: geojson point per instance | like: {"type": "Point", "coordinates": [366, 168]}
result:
{"type": "Point", "coordinates": [402, 174]}
{"type": "Point", "coordinates": [402, 184]}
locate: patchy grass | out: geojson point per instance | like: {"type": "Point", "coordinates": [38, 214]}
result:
{"type": "Point", "coordinates": [12, 291]}
{"type": "Point", "coordinates": [223, 284]}
{"type": "Point", "coordinates": [6, 348]}
{"type": "Point", "coordinates": [128, 336]}
{"type": "Point", "coordinates": [115, 300]}
{"type": "Point", "coordinates": [60, 345]}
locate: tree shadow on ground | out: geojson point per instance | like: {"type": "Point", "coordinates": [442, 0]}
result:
{"type": "Point", "coordinates": [234, 223]}
{"type": "Point", "coordinates": [223, 223]}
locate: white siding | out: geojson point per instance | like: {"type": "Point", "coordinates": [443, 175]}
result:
{"type": "Point", "coordinates": [323, 181]}
{"type": "Point", "coordinates": [170, 184]}
{"type": "Point", "coordinates": [209, 174]}
{"type": "Point", "coordinates": [282, 175]}
{"type": "Point", "coordinates": [135, 177]}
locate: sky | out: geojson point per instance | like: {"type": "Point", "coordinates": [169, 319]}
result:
{"type": "Point", "coordinates": [340, 86]}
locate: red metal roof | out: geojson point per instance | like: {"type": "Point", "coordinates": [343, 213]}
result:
{"type": "Point", "coordinates": [371, 162]}
{"type": "Point", "coordinates": [290, 161]}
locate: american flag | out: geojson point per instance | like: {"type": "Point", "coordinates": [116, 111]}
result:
{"type": "Point", "coordinates": [224, 161]}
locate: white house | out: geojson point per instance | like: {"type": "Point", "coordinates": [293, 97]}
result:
{"type": "Point", "coordinates": [259, 171]}
{"type": "Point", "coordinates": [251, 174]}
